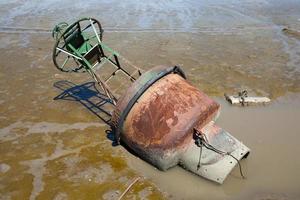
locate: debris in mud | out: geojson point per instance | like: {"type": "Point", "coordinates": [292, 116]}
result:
{"type": "Point", "coordinates": [243, 99]}
{"type": "Point", "coordinates": [155, 113]}
{"type": "Point", "coordinates": [291, 32]}
{"type": "Point", "coordinates": [128, 188]}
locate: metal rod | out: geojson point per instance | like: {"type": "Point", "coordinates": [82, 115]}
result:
{"type": "Point", "coordinates": [117, 61]}
{"type": "Point", "coordinates": [103, 62]}
{"type": "Point", "coordinates": [65, 62]}
{"type": "Point", "coordinates": [70, 54]}
{"type": "Point", "coordinates": [96, 78]}
{"type": "Point", "coordinates": [109, 49]}
{"type": "Point", "coordinates": [95, 32]}
{"type": "Point", "coordinates": [112, 75]}
{"type": "Point", "coordinates": [127, 189]}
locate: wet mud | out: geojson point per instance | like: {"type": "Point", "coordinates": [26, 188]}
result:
{"type": "Point", "coordinates": [56, 145]}
{"type": "Point", "coordinates": [271, 169]}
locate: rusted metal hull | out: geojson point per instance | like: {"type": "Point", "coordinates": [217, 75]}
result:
{"type": "Point", "coordinates": [214, 166]}
{"type": "Point", "coordinates": [157, 116]}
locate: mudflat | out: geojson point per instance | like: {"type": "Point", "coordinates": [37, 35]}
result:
{"type": "Point", "coordinates": [55, 148]}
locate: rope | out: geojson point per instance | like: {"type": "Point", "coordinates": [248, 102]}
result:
{"type": "Point", "coordinates": [201, 140]}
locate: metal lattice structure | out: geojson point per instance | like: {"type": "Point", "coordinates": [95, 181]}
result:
{"type": "Point", "coordinates": [160, 115]}
{"type": "Point", "coordinates": [79, 48]}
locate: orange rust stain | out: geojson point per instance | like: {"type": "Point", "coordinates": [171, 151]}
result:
{"type": "Point", "coordinates": [169, 98]}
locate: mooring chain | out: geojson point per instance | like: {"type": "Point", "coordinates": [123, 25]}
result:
{"type": "Point", "coordinates": [199, 143]}
{"type": "Point", "coordinates": [202, 141]}
{"type": "Point", "coordinates": [242, 96]}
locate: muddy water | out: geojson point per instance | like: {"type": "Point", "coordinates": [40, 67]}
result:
{"type": "Point", "coordinates": [53, 147]}
{"type": "Point", "coordinates": [272, 168]}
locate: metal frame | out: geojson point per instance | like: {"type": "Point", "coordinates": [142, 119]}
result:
{"type": "Point", "coordinates": [80, 57]}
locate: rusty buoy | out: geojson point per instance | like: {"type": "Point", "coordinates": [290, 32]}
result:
{"type": "Point", "coordinates": [164, 119]}
{"type": "Point", "coordinates": [157, 118]}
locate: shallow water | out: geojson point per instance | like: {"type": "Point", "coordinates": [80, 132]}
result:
{"type": "Point", "coordinates": [55, 148]}
{"type": "Point", "coordinates": [271, 169]}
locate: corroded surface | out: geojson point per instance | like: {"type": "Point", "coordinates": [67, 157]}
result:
{"type": "Point", "coordinates": [166, 113]}
{"type": "Point", "coordinates": [159, 126]}
{"type": "Point", "coordinates": [136, 90]}
{"type": "Point", "coordinates": [223, 46]}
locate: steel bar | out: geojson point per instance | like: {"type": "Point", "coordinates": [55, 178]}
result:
{"type": "Point", "coordinates": [70, 54]}
{"type": "Point", "coordinates": [94, 29]}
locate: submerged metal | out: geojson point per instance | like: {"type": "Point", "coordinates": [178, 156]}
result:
{"type": "Point", "coordinates": [157, 116]}
{"type": "Point", "coordinates": [159, 113]}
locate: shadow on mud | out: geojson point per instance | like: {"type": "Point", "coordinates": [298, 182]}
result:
{"type": "Point", "coordinates": [88, 95]}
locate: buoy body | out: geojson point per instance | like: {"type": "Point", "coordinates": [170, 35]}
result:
{"type": "Point", "coordinates": [157, 117]}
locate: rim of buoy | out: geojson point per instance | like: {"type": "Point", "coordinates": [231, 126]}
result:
{"type": "Point", "coordinates": [151, 80]}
